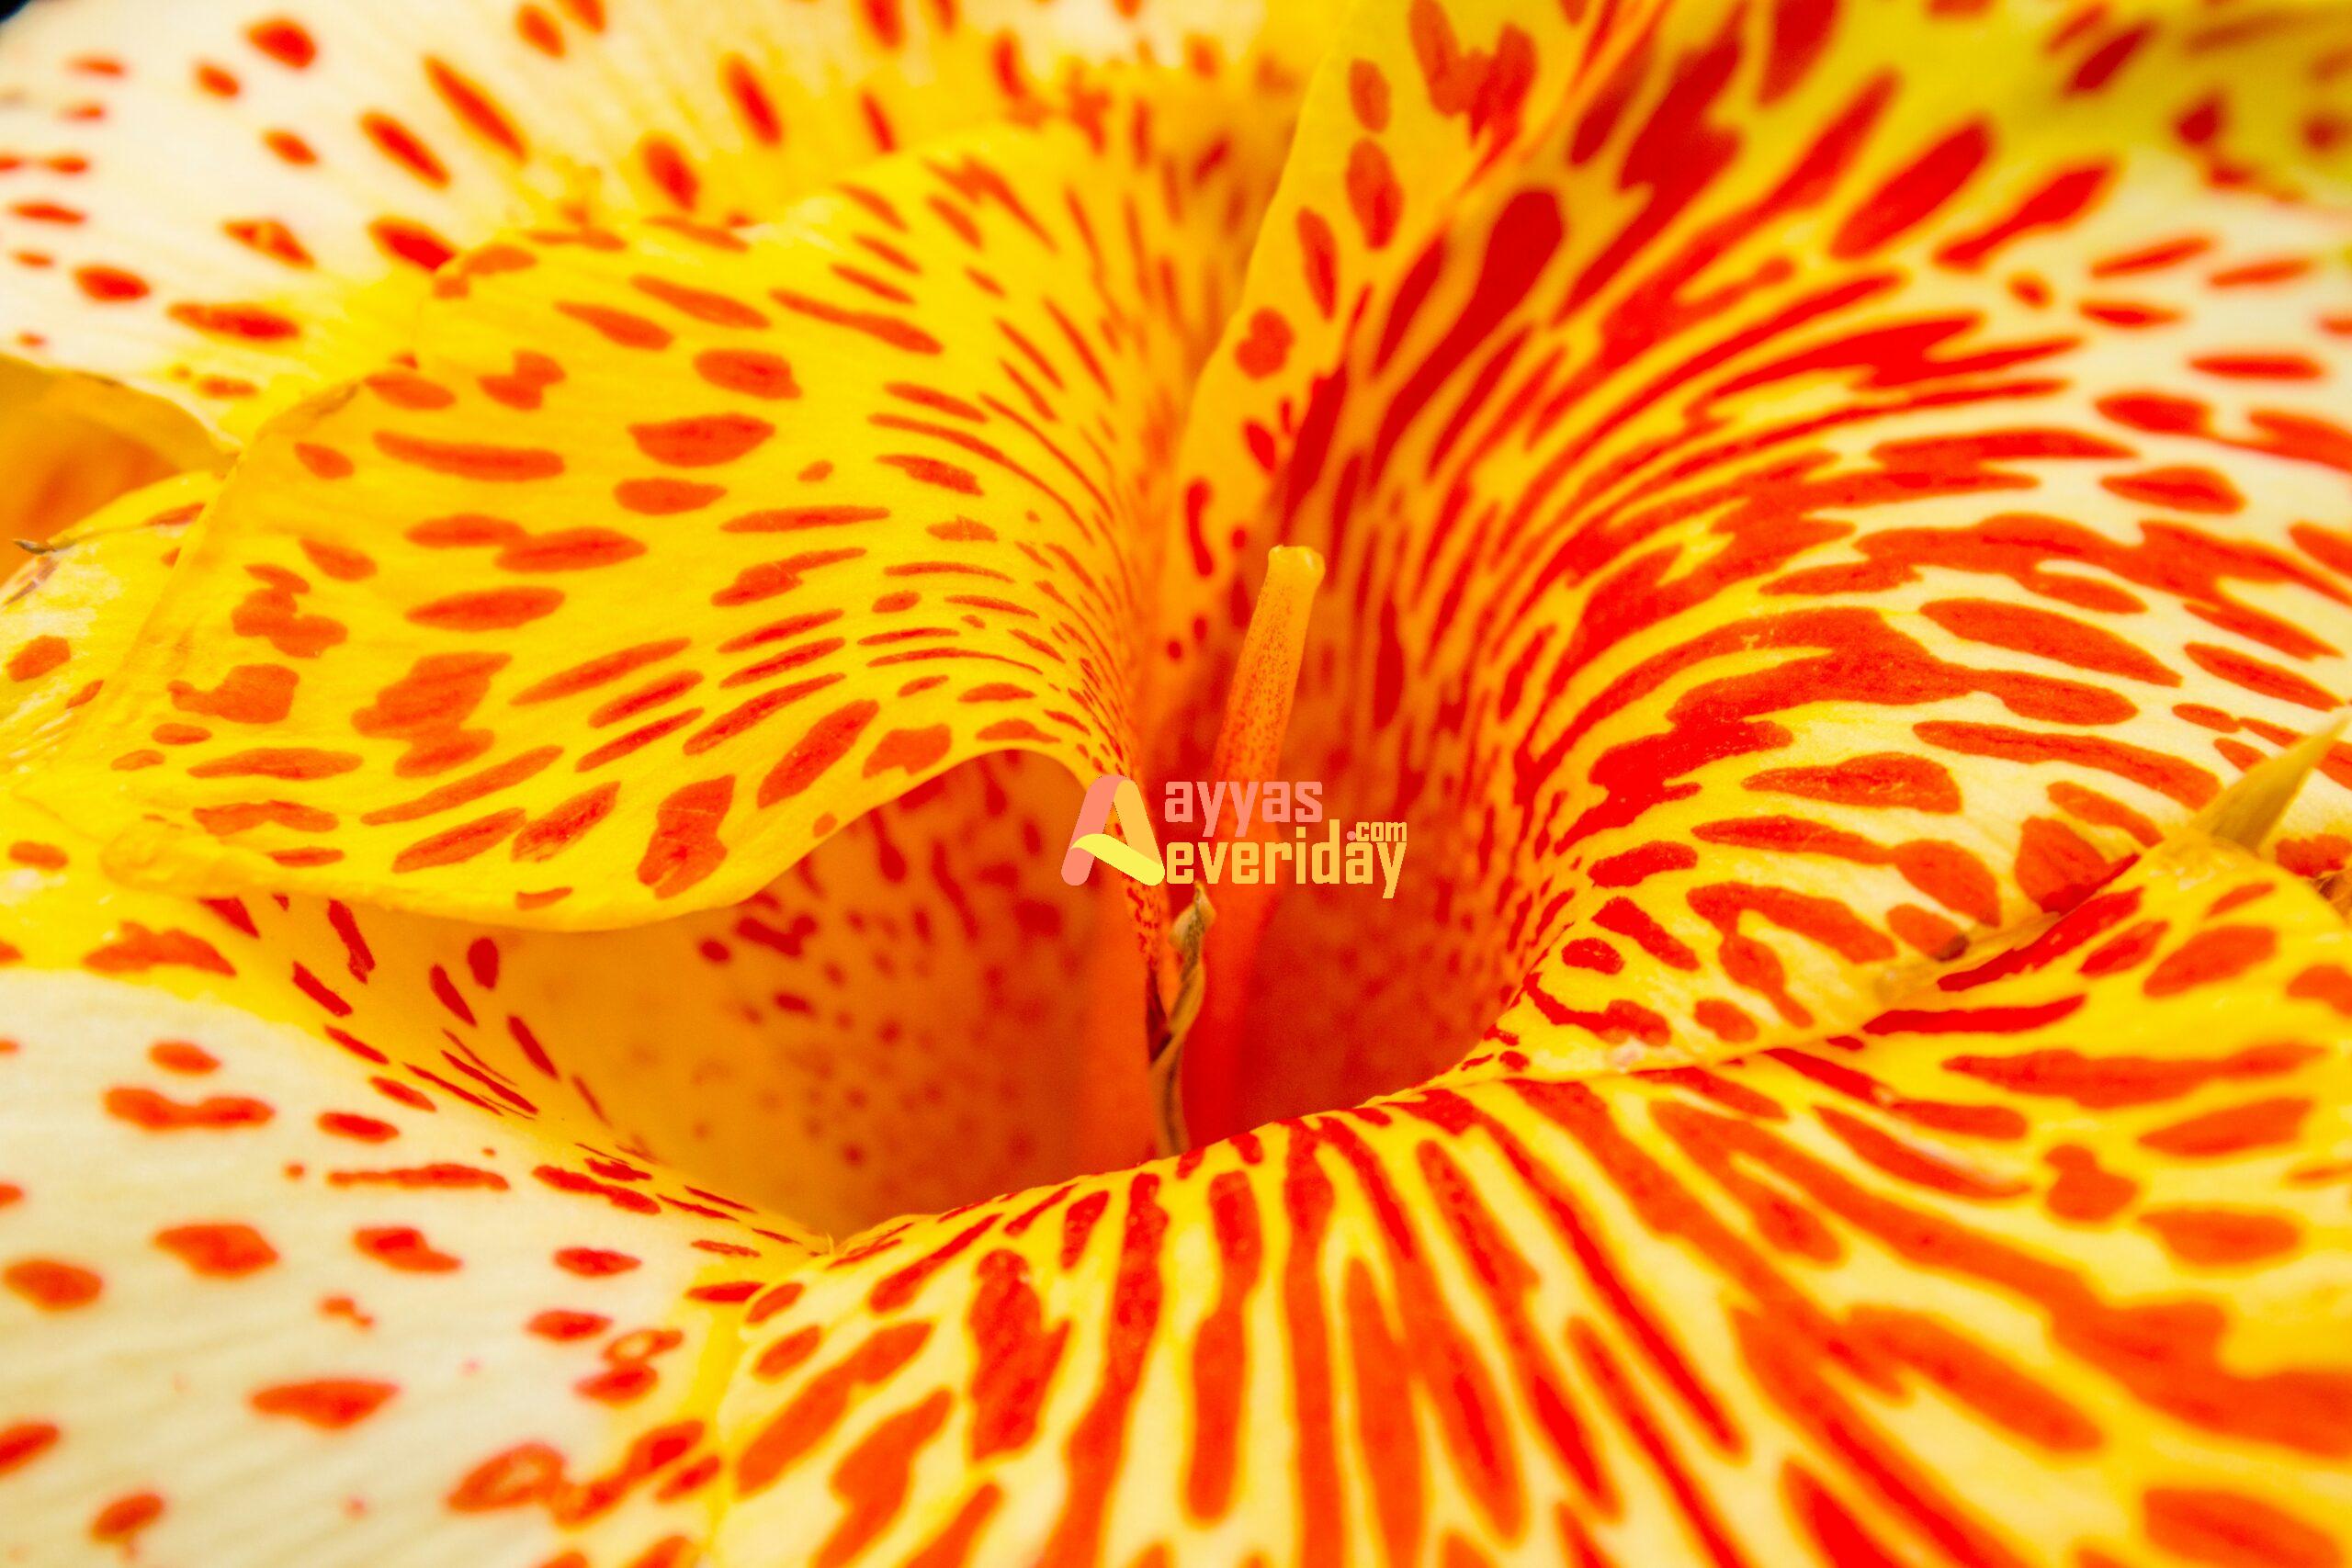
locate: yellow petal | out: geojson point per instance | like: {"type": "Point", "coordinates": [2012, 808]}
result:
{"type": "Point", "coordinates": [677, 548]}
{"type": "Point", "coordinates": [2045, 1266]}
{"type": "Point", "coordinates": [297, 1206]}
{"type": "Point", "coordinates": [70, 443]}
{"type": "Point", "coordinates": [68, 618]}
{"type": "Point", "coordinates": [258, 1311]}
{"type": "Point", "coordinates": [922, 983]}
{"type": "Point", "coordinates": [1413, 103]}
{"type": "Point", "coordinates": [438, 1236]}
{"type": "Point", "coordinates": [1814, 489]}
{"type": "Point", "coordinates": [228, 206]}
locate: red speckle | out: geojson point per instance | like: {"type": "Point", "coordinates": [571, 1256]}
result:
{"type": "Point", "coordinates": [471, 102]}
{"type": "Point", "coordinates": [1368, 95]}
{"type": "Point", "coordinates": [1914, 194]}
{"type": "Point", "coordinates": [254, 323]}
{"type": "Point", "coordinates": [564, 824]}
{"type": "Point", "coordinates": [817, 750]}
{"type": "Point", "coordinates": [665, 497]}
{"type": "Point", "coordinates": [617, 1386]}
{"type": "Point", "coordinates": [285, 41]}
{"type": "Point", "coordinates": [2104, 61]}
{"type": "Point", "coordinates": [404, 147]}
{"type": "Point", "coordinates": [1262, 352]}
{"type": "Point", "coordinates": [136, 950]}
{"type": "Point", "coordinates": [2215, 954]}
{"type": "Point", "coordinates": [406, 241]}
{"type": "Point", "coordinates": [2084, 1192]}
{"type": "Point", "coordinates": [912, 750]}
{"type": "Point", "coordinates": [403, 1247]}
{"type": "Point", "coordinates": [2221, 1238]}
{"type": "Point", "coordinates": [1318, 251]}
{"type": "Point", "coordinates": [704, 440]}
{"type": "Point", "coordinates": [50, 1285]}
{"type": "Point", "coordinates": [110, 285]}
{"type": "Point", "coordinates": [750, 371]}
{"type": "Point", "coordinates": [2226, 1530]}
{"type": "Point", "coordinates": [331, 1403]}
{"type": "Point", "coordinates": [24, 1442]}
{"type": "Point", "coordinates": [125, 1517]}
{"type": "Point", "coordinates": [38, 657]}
{"type": "Point", "coordinates": [2182, 488]}
{"type": "Point", "coordinates": [290, 148]}
{"type": "Point", "coordinates": [250, 694]}
{"type": "Point", "coordinates": [624, 328]}
{"type": "Point", "coordinates": [156, 1113]}
{"type": "Point", "coordinates": [562, 1326]}
{"type": "Point", "coordinates": [1374, 195]}
{"type": "Point", "coordinates": [365, 1129]}
{"type": "Point", "coordinates": [443, 1176]}
{"type": "Point", "coordinates": [221, 1251]}
{"type": "Point", "coordinates": [490, 609]}
{"type": "Point", "coordinates": [40, 857]}
{"type": "Point", "coordinates": [180, 1056]}
{"type": "Point", "coordinates": [670, 171]}
{"type": "Point", "coordinates": [685, 847]}
{"type": "Point", "coordinates": [493, 465]}
{"type": "Point", "coordinates": [511, 1479]}
{"type": "Point", "coordinates": [594, 1263]}
{"type": "Point", "coordinates": [752, 101]}
{"type": "Point", "coordinates": [2263, 1124]}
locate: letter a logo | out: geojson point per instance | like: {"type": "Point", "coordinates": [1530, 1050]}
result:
{"type": "Point", "coordinates": [1110, 796]}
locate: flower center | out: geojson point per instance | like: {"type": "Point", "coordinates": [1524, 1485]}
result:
{"type": "Point", "coordinates": [929, 1015]}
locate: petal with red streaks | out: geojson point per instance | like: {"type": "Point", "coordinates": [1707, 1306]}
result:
{"type": "Point", "coordinates": [69, 615]}
{"type": "Point", "coordinates": [2044, 1266]}
{"type": "Point", "coordinates": [676, 550]}
{"type": "Point", "coordinates": [70, 443]}
{"type": "Point", "coordinates": [229, 205]}
{"type": "Point", "coordinates": [903, 1022]}
{"type": "Point", "coordinates": [307, 1321]}
{"type": "Point", "coordinates": [1789, 519]}
{"type": "Point", "coordinates": [439, 1234]}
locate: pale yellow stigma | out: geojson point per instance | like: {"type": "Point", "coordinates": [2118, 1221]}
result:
{"type": "Point", "coordinates": [1220, 956]}
{"type": "Point", "coordinates": [1257, 711]}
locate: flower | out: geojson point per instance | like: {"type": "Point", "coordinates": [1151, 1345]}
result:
{"type": "Point", "coordinates": [541, 1024]}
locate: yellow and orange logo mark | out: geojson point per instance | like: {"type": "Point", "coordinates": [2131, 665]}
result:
{"type": "Point", "coordinates": [1108, 796]}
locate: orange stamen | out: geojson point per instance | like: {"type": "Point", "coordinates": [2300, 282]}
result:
{"type": "Point", "coordinates": [1249, 749]}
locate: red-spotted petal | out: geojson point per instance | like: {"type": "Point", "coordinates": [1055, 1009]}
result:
{"type": "Point", "coordinates": [903, 1022]}
{"type": "Point", "coordinates": [1790, 518]}
{"type": "Point", "coordinates": [69, 615]}
{"type": "Point", "coordinates": [254, 1310]}
{"type": "Point", "coordinates": [228, 205]}
{"type": "Point", "coordinates": [673, 551]}
{"type": "Point", "coordinates": [2043, 1267]}
{"type": "Point", "coordinates": [70, 443]}
{"type": "Point", "coordinates": [442, 1237]}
